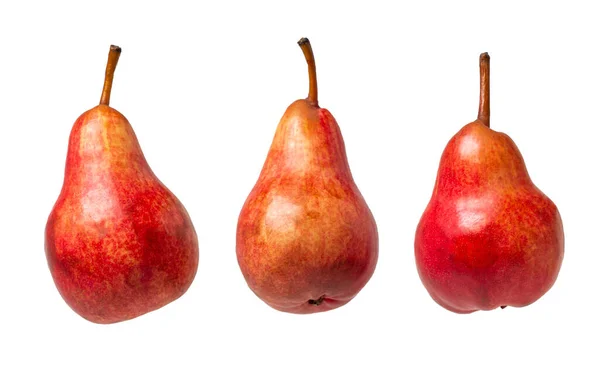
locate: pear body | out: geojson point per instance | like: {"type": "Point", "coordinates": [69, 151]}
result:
{"type": "Point", "coordinates": [306, 239]}
{"type": "Point", "coordinates": [489, 237]}
{"type": "Point", "coordinates": [119, 244]}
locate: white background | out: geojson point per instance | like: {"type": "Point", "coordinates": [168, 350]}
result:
{"type": "Point", "coordinates": [204, 87]}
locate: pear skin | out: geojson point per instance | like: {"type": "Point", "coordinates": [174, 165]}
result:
{"type": "Point", "coordinates": [489, 237]}
{"type": "Point", "coordinates": [306, 239]}
{"type": "Point", "coordinates": [119, 244]}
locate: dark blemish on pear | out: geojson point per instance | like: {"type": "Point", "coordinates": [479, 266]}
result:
{"type": "Point", "coordinates": [317, 301]}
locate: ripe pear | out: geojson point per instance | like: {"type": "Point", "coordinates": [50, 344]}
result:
{"type": "Point", "coordinates": [306, 239]}
{"type": "Point", "coordinates": [489, 237]}
{"type": "Point", "coordinates": [119, 244]}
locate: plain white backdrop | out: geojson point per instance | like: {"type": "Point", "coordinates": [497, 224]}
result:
{"type": "Point", "coordinates": [204, 86]}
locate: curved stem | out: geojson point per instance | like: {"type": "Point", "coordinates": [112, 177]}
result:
{"type": "Point", "coordinates": [113, 58]}
{"type": "Point", "coordinates": [312, 71]}
{"type": "Point", "coordinates": [484, 92]}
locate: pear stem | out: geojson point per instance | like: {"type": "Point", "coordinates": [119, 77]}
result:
{"type": "Point", "coordinates": [111, 65]}
{"type": "Point", "coordinates": [484, 89]}
{"type": "Point", "coordinates": [313, 92]}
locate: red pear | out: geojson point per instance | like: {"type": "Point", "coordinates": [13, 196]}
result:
{"type": "Point", "coordinates": [306, 239]}
{"type": "Point", "coordinates": [119, 244]}
{"type": "Point", "coordinates": [489, 237]}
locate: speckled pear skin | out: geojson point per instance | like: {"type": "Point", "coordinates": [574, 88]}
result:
{"type": "Point", "coordinates": [306, 239]}
{"type": "Point", "coordinates": [119, 244]}
{"type": "Point", "coordinates": [489, 237]}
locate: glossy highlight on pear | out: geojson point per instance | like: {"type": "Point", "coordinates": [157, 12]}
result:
{"type": "Point", "coordinates": [306, 239]}
{"type": "Point", "coordinates": [489, 237]}
{"type": "Point", "coordinates": [119, 244]}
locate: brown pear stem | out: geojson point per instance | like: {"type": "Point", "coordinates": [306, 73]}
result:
{"type": "Point", "coordinates": [113, 58]}
{"type": "Point", "coordinates": [312, 71]}
{"type": "Point", "coordinates": [484, 89]}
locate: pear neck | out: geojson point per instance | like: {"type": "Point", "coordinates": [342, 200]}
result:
{"type": "Point", "coordinates": [102, 139]}
{"type": "Point", "coordinates": [479, 160]}
{"type": "Point", "coordinates": [307, 140]}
